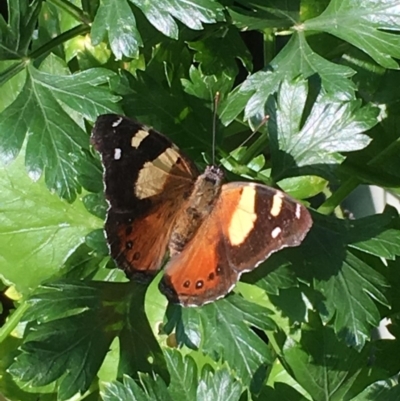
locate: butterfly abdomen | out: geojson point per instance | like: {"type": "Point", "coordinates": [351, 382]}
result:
{"type": "Point", "coordinates": [198, 206]}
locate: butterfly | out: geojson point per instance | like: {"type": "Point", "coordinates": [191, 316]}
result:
{"type": "Point", "coordinates": [159, 202]}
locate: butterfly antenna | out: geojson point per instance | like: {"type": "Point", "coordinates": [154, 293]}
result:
{"type": "Point", "coordinates": [263, 121]}
{"type": "Point", "coordinates": [214, 126]}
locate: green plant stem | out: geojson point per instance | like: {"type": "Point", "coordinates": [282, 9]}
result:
{"type": "Point", "coordinates": [389, 151]}
{"type": "Point", "coordinates": [269, 46]}
{"type": "Point", "coordinates": [338, 196]}
{"type": "Point", "coordinates": [12, 70]}
{"type": "Point", "coordinates": [352, 183]}
{"type": "Point", "coordinates": [72, 10]}
{"type": "Point", "coordinates": [47, 47]}
{"type": "Point", "coordinates": [254, 149]}
{"type": "Point", "coordinates": [78, 30]}
{"type": "Point", "coordinates": [12, 321]}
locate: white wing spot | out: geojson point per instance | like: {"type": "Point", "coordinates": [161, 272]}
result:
{"type": "Point", "coordinates": [298, 211]}
{"type": "Point", "coordinates": [276, 204]}
{"type": "Point", "coordinates": [117, 153]}
{"type": "Point", "coordinates": [117, 122]}
{"type": "Point", "coordinates": [275, 232]}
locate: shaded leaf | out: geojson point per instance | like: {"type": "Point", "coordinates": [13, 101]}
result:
{"type": "Point", "coordinates": [322, 364]}
{"type": "Point", "coordinates": [280, 392]}
{"type": "Point", "coordinates": [349, 286]}
{"type": "Point", "coordinates": [376, 234]}
{"type": "Point", "coordinates": [222, 329]}
{"type": "Point", "coordinates": [84, 318]}
{"type": "Point", "coordinates": [184, 119]}
{"type": "Point", "coordinates": [295, 60]}
{"type": "Point", "coordinates": [15, 37]}
{"type": "Point", "coordinates": [206, 86]}
{"type": "Point", "coordinates": [261, 14]}
{"type": "Point", "coordinates": [214, 53]}
{"type": "Point", "coordinates": [382, 390]}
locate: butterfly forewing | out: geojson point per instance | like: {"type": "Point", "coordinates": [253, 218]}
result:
{"type": "Point", "coordinates": [258, 220]}
{"type": "Point", "coordinates": [146, 181]}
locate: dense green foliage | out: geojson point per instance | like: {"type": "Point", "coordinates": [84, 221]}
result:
{"type": "Point", "coordinates": [299, 326]}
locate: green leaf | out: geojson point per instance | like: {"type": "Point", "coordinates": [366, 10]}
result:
{"type": "Point", "coordinates": [378, 163]}
{"type": "Point", "coordinates": [348, 285]}
{"type": "Point", "coordinates": [182, 118]}
{"type": "Point", "coordinates": [96, 205]}
{"type": "Point", "coordinates": [218, 385]}
{"type": "Point", "coordinates": [382, 390]}
{"type": "Point", "coordinates": [212, 385]}
{"type": "Point", "coordinates": [303, 187]}
{"type": "Point", "coordinates": [222, 329]}
{"type": "Point", "coordinates": [296, 60]}
{"type": "Point", "coordinates": [115, 21]}
{"type": "Point", "coordinates": [37, 228]}
{"type": "Point", "coordinates": [375, 235]}
{"type": "Point", "coordinates": [140, 351]}
{"type": "Point", "coordinates": [280, 391]}
{"type": "Point", "coordinates": [97, 241]}
{"type": "Point", "coordinates": [322, 364]}
{"type": "Point", "coordinates": [274, 274]}
{"type": "Point", "coordinates": [82, 263]}
{"type": "Point", "coordinates": [72, 327]}
{"type": "Point", "coordinates": [16, 36]}
{"type": "Point", "coordinates": [217, 54]}
{"type": "Point", "coordinates": [331, 127]}
{"type": "Point", "coordinates": [358, 298]}
{"type": "Point", "coordinates": [56, 142]}
{"type": "Point", "coordinates": [48, 27]}
{"type": "Point", "coordinates": [183, 370]}
{"type": "Point", "coordinates": [365, 25]}
{"type": "Point", "coordinates": [206, 86]}
{"type": "Point", "coordinates": [151, 390]}
{"type": "Point", "coordinates": [8, 387]}
{"type": "Point", "coordinates": [259, 14]}
{"type": "Point", "coordinates": [46, 348]}
{"type": "Point", "coordinates": [192, 13]}
{"type": "Point", "coordinates": [11, 87]}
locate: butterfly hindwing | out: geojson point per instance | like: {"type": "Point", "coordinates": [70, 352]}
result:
{"type": "Point", "coordinates": [146, 181]}
{"type": "Point", "coordinates": [248, 223]}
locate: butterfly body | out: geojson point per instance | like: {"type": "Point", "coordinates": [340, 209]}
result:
{"type": "Point", "coordinates": [200, 204]}
{"type": "Point", "coordinates": [159, 201]}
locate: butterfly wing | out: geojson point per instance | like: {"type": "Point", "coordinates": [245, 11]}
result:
{"type": "Point", "coordinates": [249, 223]}
{"type": "Point", "coordinates": [147, 178]}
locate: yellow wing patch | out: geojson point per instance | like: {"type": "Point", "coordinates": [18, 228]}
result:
{"type": "Point", "coordinates": [244, 216]}
{"type": "Point", "coordinates": [138, 138]}
{"type": "Point", "coordinates": [154, 174]}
